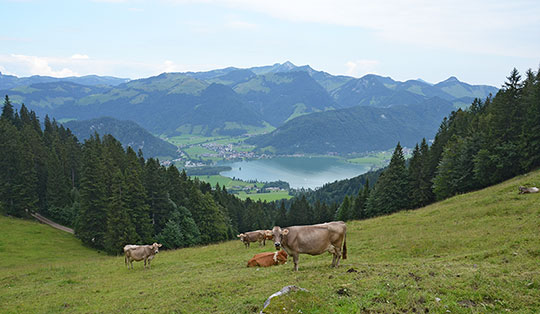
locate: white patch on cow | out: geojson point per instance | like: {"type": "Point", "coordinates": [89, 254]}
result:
{"type": "Point", "coordinates": [275, 257]}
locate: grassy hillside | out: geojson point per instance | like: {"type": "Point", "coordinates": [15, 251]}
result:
{"type": "Point", "coordinates": [478, 252]}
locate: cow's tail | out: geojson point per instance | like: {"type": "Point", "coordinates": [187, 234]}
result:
{"type": "Point", "coordinates": [344, 255]}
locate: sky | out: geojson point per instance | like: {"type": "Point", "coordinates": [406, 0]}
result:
{"type": "Point", "coordinates": [479, 42]}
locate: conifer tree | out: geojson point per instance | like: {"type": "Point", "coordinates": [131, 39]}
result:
{"type": "Point", "coordinates": [135, 199]}
{"type": "Point", "coordinates": [530, 138]}
{"type": "Point", "coordinates": [120, 230]}
{"type": "Point", "coordinates": [345, 210]}
{"type": "Point", "coordinates": [8, 113]}
{"type": "Point", "coordinates": [390, 193]}
{"type": "Point", "coordinates": [359, 204]}
{"type": "Point", "coordinates": [281, 219]}
{"type": "Point", "coordinates": [91, 225]}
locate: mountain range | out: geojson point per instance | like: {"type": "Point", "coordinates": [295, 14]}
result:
{"type": "Point", "coordinates": [235, 101]}
{"type": "Point", "coordinates": [128, 133]}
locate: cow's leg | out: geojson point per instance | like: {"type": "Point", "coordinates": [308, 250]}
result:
{"type": "Point", "coordinates": [295, 260]}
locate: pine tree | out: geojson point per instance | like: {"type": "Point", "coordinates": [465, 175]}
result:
{"type": "Point", "coordinates": [10, 168]}
{"type": "Point", "coordinates": [158, 199]}
{"type": "Point", "coordinates": [530, 138]}
{"type": "Point", "coordinates": [281, 219]}
{"type": "Point", "coordinates": [300, 212]}
{"type": "Point", "coordinates": [344, 212]}
{"type": "Point", "coordinates": [136, 201]}
{"type": "Point", "coordinates": [120, 230]}
{"type": "Point", "coordinates": [7, 111]}
{"type": "Point", "coordinates": [390, 193]}
{"type": "Point", "coordinates": [420, 192]}
{"type": "Point", "coordinates": [208, 217]}
{"type": "Point", "coordinates": [359, 204]}
{"type": "Point", "coordinates": [91, 225]}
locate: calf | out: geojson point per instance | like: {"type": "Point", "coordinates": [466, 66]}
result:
{"type": "Point", "coordinates": [268, 259]}
{"type": "Point", "coordinates": [252, 236]}
{"type": "Point", "coordinates": [140, 252]}
{"type": "Point", "coordinates": [523, 190]}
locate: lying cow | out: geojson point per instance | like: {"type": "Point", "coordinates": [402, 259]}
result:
{"type": "Point", "coordinates": [313, 240]}
{"type": "Point", "coordinates": [268, 259]}
{"type": "Point", "coordinates": [140, 252]}
{"type": "Point", "coordinates": [523, 190]}
{"type": "Point", "coordinates": [252, 236]}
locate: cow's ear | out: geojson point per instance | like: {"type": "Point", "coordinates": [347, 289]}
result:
{"type": "Point", "coordinates": [160, 245]}
{"type": "Point", "coordinates": [285, 231]}
{"type": "Point", "coordinates": [238, 235]}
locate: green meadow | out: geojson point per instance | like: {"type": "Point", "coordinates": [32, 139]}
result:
{"type": "Point", "coordinates": [229, 183]}
{"type": "Point", "coordinates": [473, 253]}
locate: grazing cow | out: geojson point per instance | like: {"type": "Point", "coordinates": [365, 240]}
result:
{"type": "Point", "coordinates": [268, 235]}
{"type": "Point", "coordinates": [313, 240]}
{"type": "Point", "coordinates": [252, 236]}
{"type": "Point", "coordinates": [523, 190]}
{"type": "Point", "coordinates": [140, 252]}
{"type": "Point", "coordinates": [268, 259]}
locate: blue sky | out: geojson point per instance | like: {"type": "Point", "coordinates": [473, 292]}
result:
{"type": "Point", "coordinates": [477, 41]}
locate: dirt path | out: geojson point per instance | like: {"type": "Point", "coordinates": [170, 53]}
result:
{"type": "Point", "coordinates": [51, 223]}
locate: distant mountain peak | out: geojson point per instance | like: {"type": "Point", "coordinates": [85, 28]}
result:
{"type": "Point", "coordinates": [451, 79]}
{"type": "Point", "coordinates": [288, 64]}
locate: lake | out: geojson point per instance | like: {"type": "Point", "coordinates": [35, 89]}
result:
{"type": "Point", "coordinates": [306, 172]}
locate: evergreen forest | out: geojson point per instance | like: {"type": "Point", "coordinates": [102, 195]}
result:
{"type": "Point", "coordinates": [112, 195]}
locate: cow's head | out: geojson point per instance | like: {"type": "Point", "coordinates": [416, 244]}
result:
{"type": "Point", "coordinates": [155, 247]}
{"type": "Point", "coordinates": [282, 257]}
{"type": "Point", "coordinates": [241, 236]}
{"type": "Point", "coordinates": [268, 235]}
{"type": "Point", "coordinates": [279, 234]}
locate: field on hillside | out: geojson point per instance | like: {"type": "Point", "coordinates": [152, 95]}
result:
{"type": "Point", "coordinates": [474, 253]}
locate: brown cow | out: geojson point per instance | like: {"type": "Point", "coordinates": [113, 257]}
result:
{"type": "Point", "coordinates": [313, 240]}
{"type": "Point", "coordinates": [268, 235]}
{"type": "Point", "coordinates": [268, 259]}
{"type": "Point", "coordinates": [523, 190]}
{"type": "Point", "coordinates": [252, 236]}
{"type": "Point", "coordinates": [140, 252]}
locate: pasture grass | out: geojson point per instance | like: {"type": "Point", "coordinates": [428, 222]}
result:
{"type": "Point", "coordinates": [473, 253]}
{"type": "Point", "coordinates": [269, 197]}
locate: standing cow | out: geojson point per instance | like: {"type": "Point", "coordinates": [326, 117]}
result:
{"type": "Point", "coordinates": [252, 236]}
{"type": "Point", "coordinates": [313, 240]}
{"type": "Point", "coordinates": [139, 253]}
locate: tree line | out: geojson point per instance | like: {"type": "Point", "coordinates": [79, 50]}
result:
{"type": "Point", "coordinates": [491, 141]}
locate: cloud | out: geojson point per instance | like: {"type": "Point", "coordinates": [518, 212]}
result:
{"type": "Point", "coordinates": [361, 67]}
{"type": "Point", "coordinates": [482, 26]}
{"type": "Point", "coordinates": [79, 57]}
{"type": "Point", "coordinates": [241, 25]}
{"type": "Point", "coordinates": [40, 66]}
